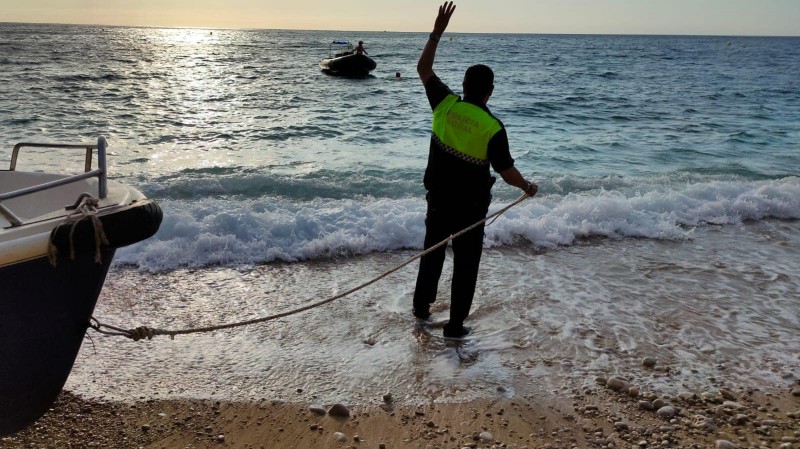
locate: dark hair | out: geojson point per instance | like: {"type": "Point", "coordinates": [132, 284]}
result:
{"type": "Point", "coordinates": [478, 81]}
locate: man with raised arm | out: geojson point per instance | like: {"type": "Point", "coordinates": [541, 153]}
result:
{"type": "Point", "coordinates": [466, 140]}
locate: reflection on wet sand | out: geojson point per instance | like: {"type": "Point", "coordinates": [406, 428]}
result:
{"type": "Point", "coordinates": [721, 307]}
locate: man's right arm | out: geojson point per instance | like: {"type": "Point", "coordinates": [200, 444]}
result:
{"type": "Point", "coordinates": [513, 177]}
{"type": "Point", "coordinates": [425, 64]}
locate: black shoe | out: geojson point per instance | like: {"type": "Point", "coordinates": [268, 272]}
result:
{"type": "Point", "coordinates": [457, 332]}
{"type": "Point", "coordinates": [422, 313]}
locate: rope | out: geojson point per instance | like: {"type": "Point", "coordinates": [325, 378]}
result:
{"type": "Point", "coordinates": [143, 332]}
{"type": "Point", "coordinates": [85, 207]}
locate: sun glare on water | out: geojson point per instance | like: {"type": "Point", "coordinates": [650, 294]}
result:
{"type": "Point", "coordinates": [198, 93]}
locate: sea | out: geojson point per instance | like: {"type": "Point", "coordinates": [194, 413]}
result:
{"type": "Point", "coordinates": [667, 223]}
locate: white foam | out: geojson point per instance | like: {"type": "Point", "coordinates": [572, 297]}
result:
{"type": "Point", "coordinates": [214, 231]}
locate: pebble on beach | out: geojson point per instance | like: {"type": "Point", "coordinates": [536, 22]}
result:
{"type": "Point", "coordinates": [339, 410]}
{"type": "Point", "coordinates": [666, 412]}
{"type": "Point", "coordinates": [617, 384]}
{"type": "Point", "coordinates": [727, 394]}
{"type": "Point", "coordinates": [486, 436]}
{"type": "Point", "coordinates": [318, 410]}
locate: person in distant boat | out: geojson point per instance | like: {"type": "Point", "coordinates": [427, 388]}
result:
{"type": "Point", "coordinates": [360, 48]}
{"type": "Point", "coordinates": [466, 140]}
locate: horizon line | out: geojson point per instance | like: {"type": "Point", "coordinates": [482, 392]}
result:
{"type": "Point", "coordinates": [396, 31]}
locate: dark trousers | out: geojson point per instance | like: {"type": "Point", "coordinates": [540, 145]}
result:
{"type": "Point", "coordinates": [442, 221]}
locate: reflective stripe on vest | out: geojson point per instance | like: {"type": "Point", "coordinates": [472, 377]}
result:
{"type": "Point", "coordinates": [463, 129]}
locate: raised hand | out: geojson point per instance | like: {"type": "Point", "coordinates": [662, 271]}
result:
{"type": "Point", "coordinates": [445, 12]}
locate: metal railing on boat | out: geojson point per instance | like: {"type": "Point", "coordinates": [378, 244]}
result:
{"type": "Point", "coordinates": [100, 173]}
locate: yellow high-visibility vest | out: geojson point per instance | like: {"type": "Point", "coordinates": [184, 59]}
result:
{"type": "Point", "coordinates": [464, 129]}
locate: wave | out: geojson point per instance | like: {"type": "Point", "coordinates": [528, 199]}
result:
{"type": "Point", "coordinates": [245, 183]}
{"type": "Point", "coordinates": [241, 233]}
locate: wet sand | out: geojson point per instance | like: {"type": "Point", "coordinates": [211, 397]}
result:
{"type": "Point", "coordinates": [598, 416]}
{"type": "Point", "coordinates": [719, 309]}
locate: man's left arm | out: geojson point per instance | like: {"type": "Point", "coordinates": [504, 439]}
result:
{"type": "Point", "coordinates": [425, 63]}
{"type": "Point", "coordinates": [503, 163]}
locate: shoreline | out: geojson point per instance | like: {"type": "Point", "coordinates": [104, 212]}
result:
{"type": "Point", "coordinates": [715, 310]}
{"type": "Point", "coordinates": [603, 416]}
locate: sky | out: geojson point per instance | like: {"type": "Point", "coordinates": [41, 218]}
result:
{"type": "Point", "coordinates": [694, 17]}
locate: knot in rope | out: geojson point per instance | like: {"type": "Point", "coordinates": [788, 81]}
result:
{"type": "Point", "coordinates": [85, 208]}
{"type": "Point", "coordinates": [136, 334]}
{"type": "Point", "coordinates": [141, 333]}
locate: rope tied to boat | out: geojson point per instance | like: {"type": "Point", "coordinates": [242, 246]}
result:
{"type": "Point", "coordinates": [85, 207]}
{"type": "Point", "coordinates": [142, 332]}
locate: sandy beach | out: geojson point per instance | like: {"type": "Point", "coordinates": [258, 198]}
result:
{"type": "Point", "coordinates": [612, 414]}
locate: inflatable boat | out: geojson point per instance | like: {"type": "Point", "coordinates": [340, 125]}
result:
{"type": "Point", "coordinates": [342, 60]}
